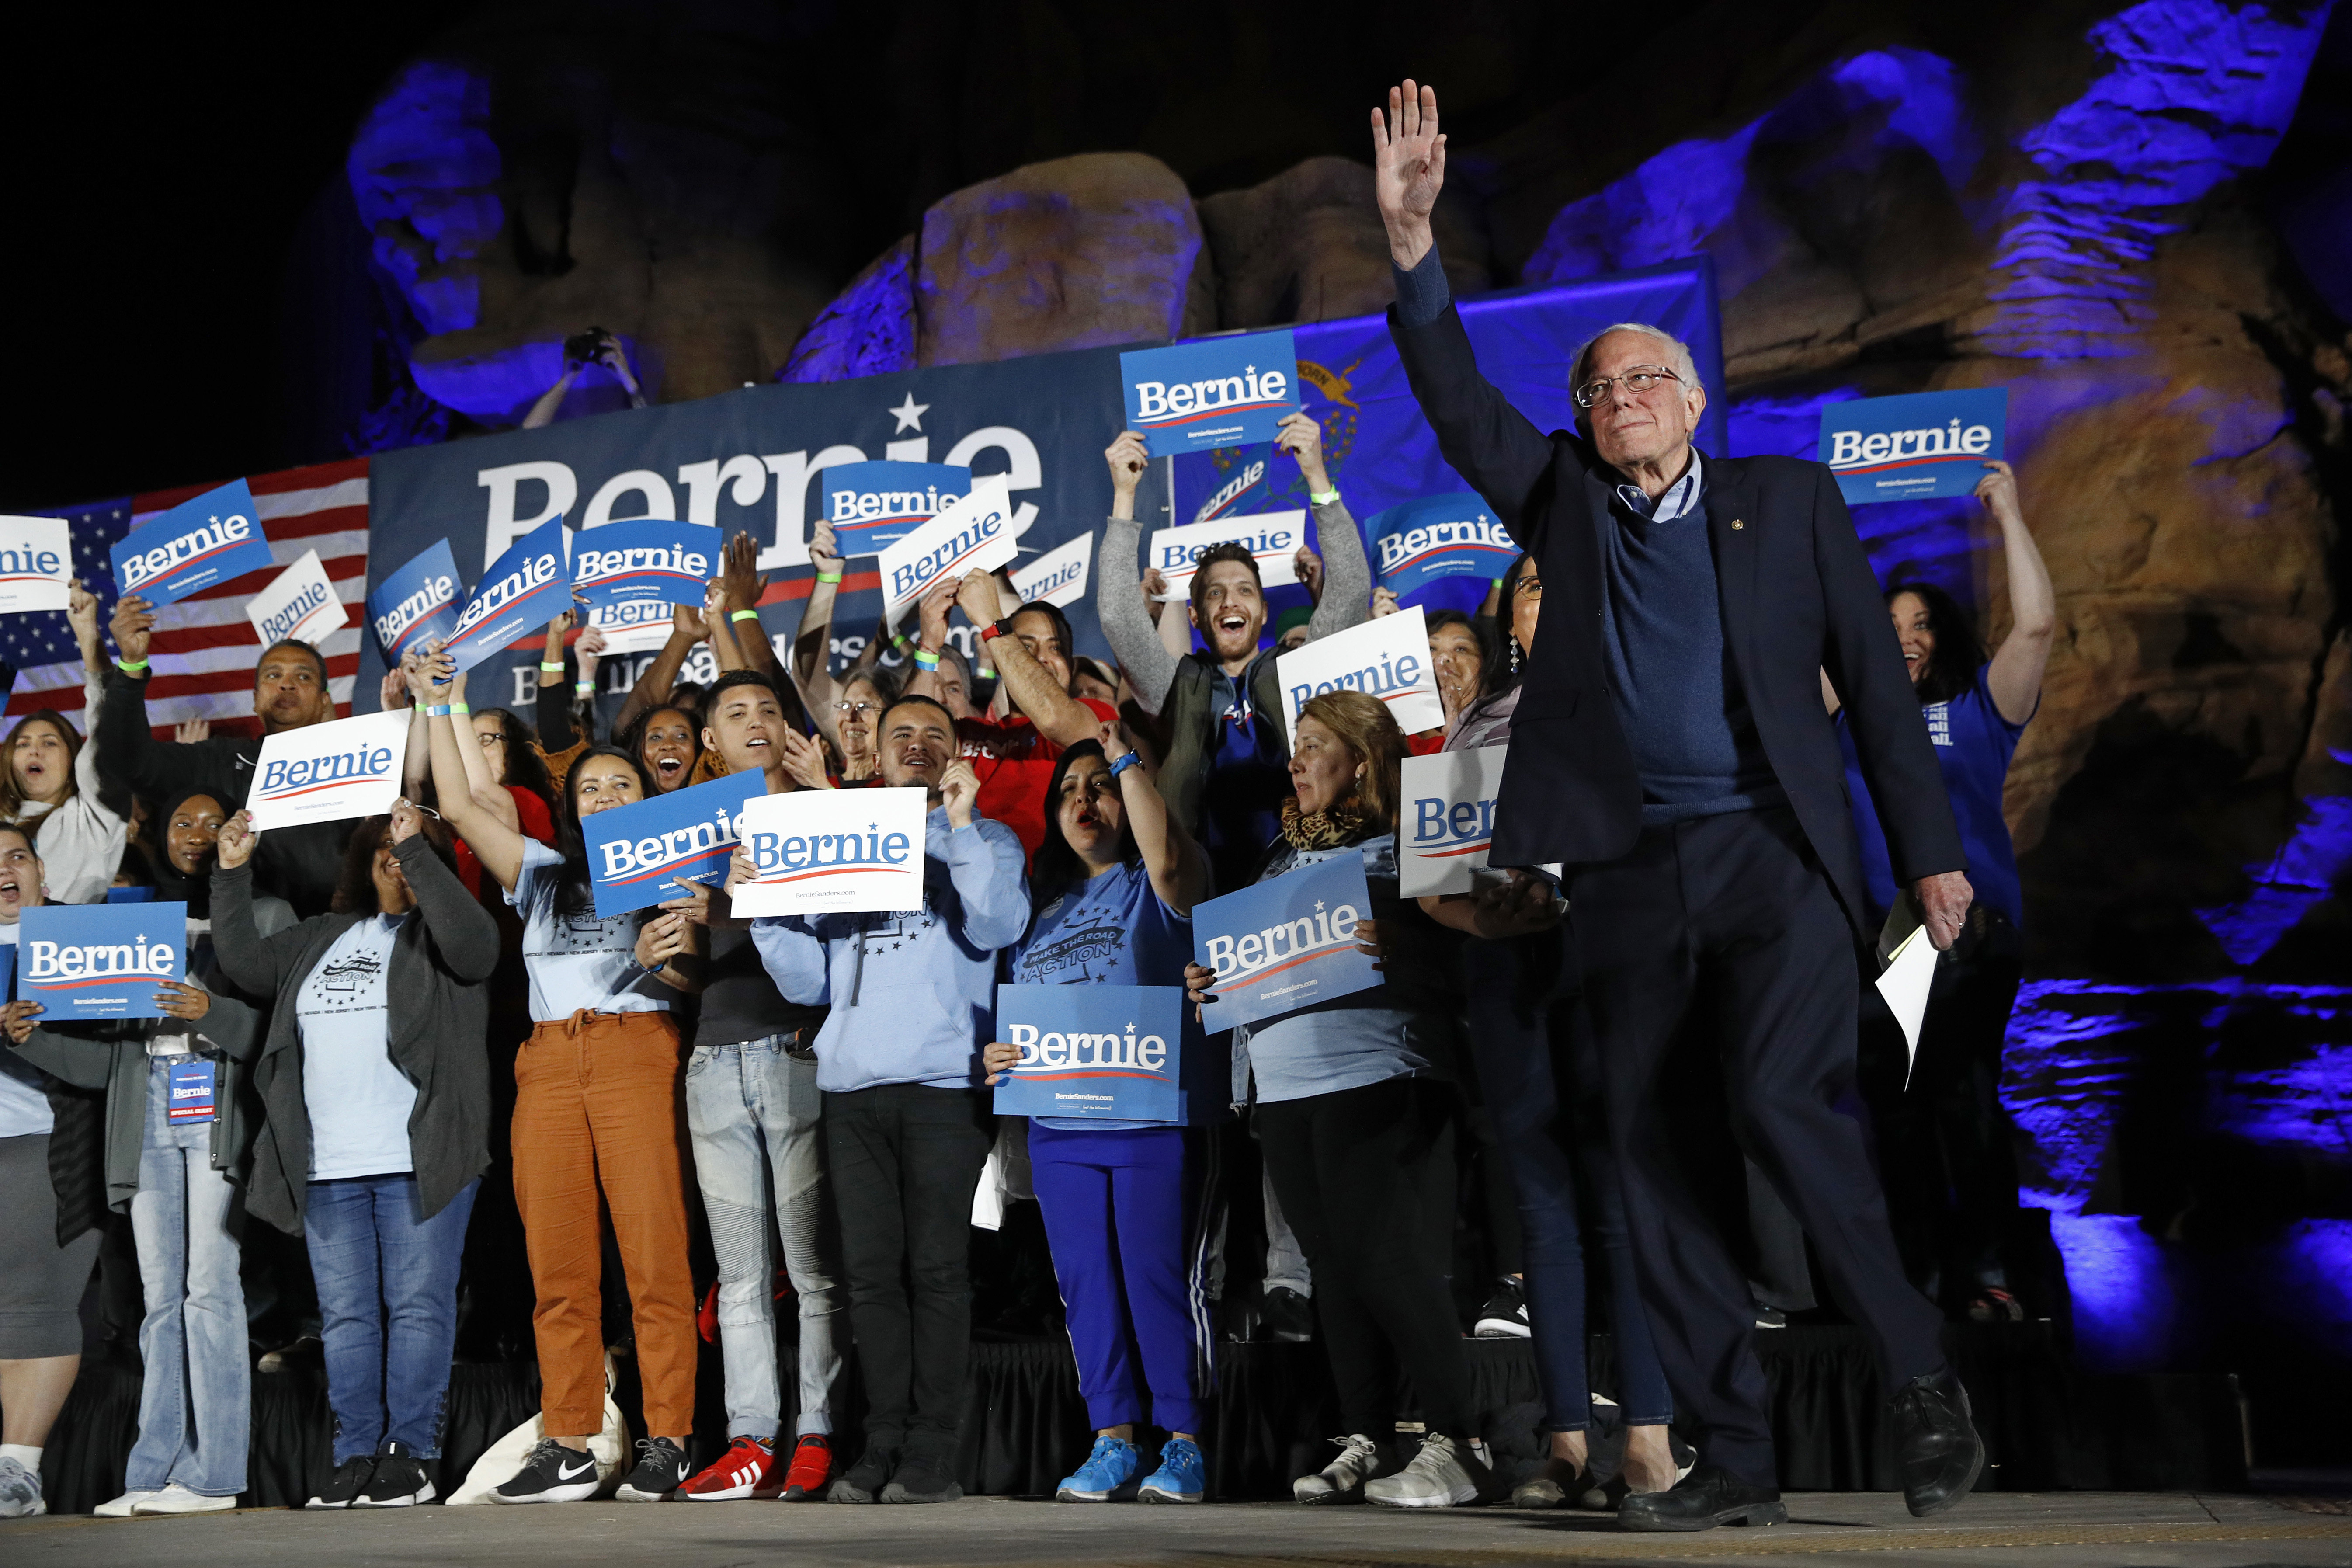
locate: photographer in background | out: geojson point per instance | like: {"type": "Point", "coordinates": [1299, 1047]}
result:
{"type": "Point", "coordinates": [581, 350]}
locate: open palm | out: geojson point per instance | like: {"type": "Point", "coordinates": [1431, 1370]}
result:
{"type": "Point", "coordinates": [1408, 168]}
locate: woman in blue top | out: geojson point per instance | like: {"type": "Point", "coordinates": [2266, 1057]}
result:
{"type": "Point", "coordinates": [1115, 883]}
{"type": "Point", "coordinates": [1944, 1140]}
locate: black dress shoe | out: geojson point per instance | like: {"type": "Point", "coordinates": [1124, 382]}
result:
{"type": "Point", "coordinates": [1937, 1448]}
{"type": "Point", "coordinates": [1705, 1497]}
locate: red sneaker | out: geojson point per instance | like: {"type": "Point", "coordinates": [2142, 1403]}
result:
{"type": "Point", "coordinates": [811, 1467]}
{"type": "Point", "coordinates": [748, 1469]}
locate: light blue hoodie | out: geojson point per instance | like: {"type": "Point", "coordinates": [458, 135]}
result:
{"type": "Point", "coordinates": [912, 993]}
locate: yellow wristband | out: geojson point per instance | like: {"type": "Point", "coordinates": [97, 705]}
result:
{"type": "Point", "coordinates": [547, 668]}
{"type": "Point", "coordinates": [743, 615]}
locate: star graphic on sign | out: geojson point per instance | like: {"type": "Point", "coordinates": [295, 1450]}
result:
{"type": "Point", "coordinates": [1131, 1026]}
{"type": "Point", "coordinates": [909, 416]}
{"type": "Point", "coordinates": [1318, 906]}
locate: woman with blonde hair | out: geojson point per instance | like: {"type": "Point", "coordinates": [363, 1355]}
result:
{"type": "Point", "coordinates": [1355, 1111]}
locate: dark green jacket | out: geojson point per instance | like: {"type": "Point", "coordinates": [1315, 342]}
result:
{"type": "Point", "coordinates": [439, 1007]}
{"type": "Point", "coordinates": [112, 1054]}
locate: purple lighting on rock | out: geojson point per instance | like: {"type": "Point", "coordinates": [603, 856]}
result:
{"type": "Point", "coordinates": [2302, 874]}
{"type": "Point", "coordinates": [2200, 92]}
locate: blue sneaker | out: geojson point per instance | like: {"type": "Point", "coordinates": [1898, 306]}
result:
{"type": "Point", "coordinates": [1109, 1471]}
{"type": "Point", "coordinates": [1182, 1474]}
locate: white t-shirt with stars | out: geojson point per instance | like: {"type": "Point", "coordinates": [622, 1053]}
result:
{"type": "Point", "coordinates": [577, 961]}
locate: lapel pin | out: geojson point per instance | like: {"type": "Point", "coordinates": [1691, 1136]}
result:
{"type": "Point", "coordinates": [1737, 525]}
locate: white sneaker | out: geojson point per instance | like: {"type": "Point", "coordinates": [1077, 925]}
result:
{"type": "Point", "coordinates": [177, 1498]}
{"type": "Point", "coordinates": [1342, 1481]}
{"type": "Point", "coordinates": [1445, 1474]}
{"type": "Point", "coordinates": [20, 1491]}
{"type": "Point", "coordinates": [124, 1506]}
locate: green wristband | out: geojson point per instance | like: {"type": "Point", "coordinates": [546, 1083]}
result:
{"type": "Point", "coordinates": [829, 576]}
{"type": "Point", "coordinates": [743, 615]}
{"type": "Point", "coordinates": [127, 667]}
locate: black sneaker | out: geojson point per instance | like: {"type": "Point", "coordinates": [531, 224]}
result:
{"type": "Point", "coordinates": [1286, 1316]}
{"type": "Point", "coordinates": [1504, 1315]}
{"type": "Point", "coordinates": [923, 1479]}
{"type": "Point", "coordinates": [399, 1481]}
{"type": "Point", "coordinates": [863, 1481]}
{"type": "Point", "coordinates": [661, 1470]}
{"type": "Point", "coordinates": [343, 1488]}
{"type": "Point", "coordinates": [552, 1473]}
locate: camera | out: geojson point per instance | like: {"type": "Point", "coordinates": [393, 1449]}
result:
{"type": "Point", "coordinates": [583, 347]}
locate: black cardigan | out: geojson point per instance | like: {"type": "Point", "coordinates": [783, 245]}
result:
{"type": "Point", "coordinates": [439, 1005]}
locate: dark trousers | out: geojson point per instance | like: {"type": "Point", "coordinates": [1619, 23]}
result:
{"type": "Point", "coordinates": [1354, 1170]}
{"type": "Point", "coordinates": [1722, 936]}
{"type": "Point", "coordinates": [1540, 1076]}
{"type": "Point", "coordinates": [905, 1160]}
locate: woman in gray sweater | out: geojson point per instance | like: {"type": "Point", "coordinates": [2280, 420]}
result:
{"type": "Point", "coordinates": [173, 1162]}
{"type": "Point", "coordinates": [375, 1093]}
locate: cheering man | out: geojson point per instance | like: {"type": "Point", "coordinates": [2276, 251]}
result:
{"type": "Point", "coordinates": [905, 1127]}
{"type": "Point", "coordinates": [1670, 748]}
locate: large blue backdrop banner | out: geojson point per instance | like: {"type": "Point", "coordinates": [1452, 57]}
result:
{"type": "Point", "coordinates": [749, 460]}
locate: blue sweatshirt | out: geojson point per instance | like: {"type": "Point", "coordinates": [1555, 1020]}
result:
{"type": "Point", "coordinates": [912, 992]}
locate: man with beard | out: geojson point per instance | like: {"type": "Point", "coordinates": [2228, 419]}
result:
{"type": "Point", "coordinates": [1228, 749]}
{"type": "Point", "coordinates": [300, 865]}
{"type": "Point", "coordinates": [907, 1128]}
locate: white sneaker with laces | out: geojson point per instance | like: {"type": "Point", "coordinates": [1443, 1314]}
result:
{"type": "Point", "coordinates": [1342, 1481]}
{"type": "Point", "coordinates": [1445, 1474]}
{"type": "Point", "coordinates": [20, 1489]}
{"type": "Point", "coordinates": [124, 1506]}
{"type": "Point", "coordinates": [177, 1498]}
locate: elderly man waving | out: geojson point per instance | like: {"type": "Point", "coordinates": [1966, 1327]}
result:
{"type": "Point", "coordinates": [1672, 751]}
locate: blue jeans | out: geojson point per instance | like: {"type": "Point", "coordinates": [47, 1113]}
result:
{"type": "Point", "coordinates": [752, 1110]}
{"type": "Point", "coordinates": [196, 1403]}
{"type": "Point", "coordinates": [1540, 1074]}
{"type": "Point", "coordinates": [387, 1282]}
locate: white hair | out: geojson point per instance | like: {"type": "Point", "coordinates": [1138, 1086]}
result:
{"type": "Point", "coordinates": [1678, 355]}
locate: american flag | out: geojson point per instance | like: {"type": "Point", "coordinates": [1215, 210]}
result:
{"type": "Point", "coordinates": [205, 649]}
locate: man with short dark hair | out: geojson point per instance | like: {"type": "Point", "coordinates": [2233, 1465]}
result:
{"type": "Point", "coordinates": [1228, 747]}
{"type": "Point", "coordinates": [1672, 750]}
{"type": "Point", "coordinates": [301, 864]}
{"type": "Point", "coordinates": [906, 1127]}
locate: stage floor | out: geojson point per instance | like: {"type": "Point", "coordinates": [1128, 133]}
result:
{"type": "Point", "coordinates": [2077, 1529]}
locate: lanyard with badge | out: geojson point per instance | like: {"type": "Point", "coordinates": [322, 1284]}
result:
{"type": "Point", "coordinates": [194, 1082]}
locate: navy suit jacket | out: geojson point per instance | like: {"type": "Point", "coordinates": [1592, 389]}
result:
{"type": "Point", "coordinates": [1797, 598]}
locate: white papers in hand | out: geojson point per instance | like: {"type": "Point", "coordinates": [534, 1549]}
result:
{"type": "Point", "coordinates": [1910, 974]}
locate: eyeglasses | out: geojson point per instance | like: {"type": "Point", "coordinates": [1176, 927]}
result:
{"type": "Point", "coordinates": [1638, 380]}
{"type": "Point", "coordinates": [855, 707]}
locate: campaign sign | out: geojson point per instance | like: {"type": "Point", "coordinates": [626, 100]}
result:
{"type": "Point", "coordinates": [636, 852]}
{"type": "Point", "coordinates": [416, 603]}
{"type": "Point", "coordinates": [822, 851]}
{"type": "Point", "coordinates": [301, 606]}
{"type": "Point", "coordinates": [1108, 1051]}
{"type": "Point", "coordinates": [632, 625]}
{"type": "Point", "coordinates": [871, 505]}
{"type": "Point", "coordinates": [348, 767]}
{"type": "Point", "coordinates": [1273, 537]}
{"type": "Point", "coordinates": [1387, 657]}
{"type": "Point", "coordinates": [1284, 944]}
{"type": "Point", "coordinates": [1219, 391]}
{"type": "Point", "coordinates": [1422, 541]}
{"type": "Point", "coordinates": [1058, 576]}
{"type": "Point", "coordinates": [1447, 820]}
{"type": "Point", "coordinates": [1225, 483]}
{"type": "Point", "coordinates": [525, 589]}
{"type": "Point", "coordinates": [974, 535]}
{"type": "Point", "coordinates": [1916, 446]}
{"type": "Point", "coordinates": [197, 545]}
{"type": "Point", "coordinates": [99, 961]}
{"type": "Point", "coordinates": [645, 562]}
{"type": "Point", "coordinates": [35, 563]}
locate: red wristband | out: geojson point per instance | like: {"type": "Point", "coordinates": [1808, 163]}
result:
{"type": "Point", "coordinates": [991, 632]}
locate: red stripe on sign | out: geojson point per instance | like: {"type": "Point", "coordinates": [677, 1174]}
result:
{"type": "Point", "coordinates": [1285, 964]}
{"type": "Point", "coordinates": [836, 871]}
{"type": "Point", "coordinates": [1227, 412]}
{"type": "Point", "coordinates": [102, 980]}
{"type": "Point", "coordinates": [1090, 1072]}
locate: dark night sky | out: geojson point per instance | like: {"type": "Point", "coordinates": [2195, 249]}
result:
{"type": "Point", "coordinates": [160, 163]}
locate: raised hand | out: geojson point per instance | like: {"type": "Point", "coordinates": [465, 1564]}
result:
{"type": "Point", "coordinates": [825, 549]}
{"type": "Point", "coordinates": [803, 760]}
{"type": "Point", "coordinates": [1997, 489]}
{"type": "Point", "coordinates": [1309, 568]}
{"type": "Point", "coordinates": [1155, 582]}
{"type": "Point", "coordinates": [81, 613]}
{"type": "Point", "coordinates": [739, 572]}
{"type": "Point", "coordinates": [933, 613]}
{"type": "Point", "coordinates": [1408, 169]}
{"type": "Point", "coordinates": [132, 623]}
{"type": "Point", "coordinates": [237, 838]}
{"type": "Point", "coordinates": [1302, 437]}
{"type": "Point", "coordinates": [1128, 462]}
{"type": "Point", "coordinates": [687, 619]}
{"type": "Point", "coordinates": [408, 820]}
{"type": "Point", "coordinates": [188, 731]}
{"type": "Point", "coordinates": [958, 790]}
{"type": "Point", "coordinates": [977, 597]}
{"type": "Point", "coordinates": [1384, 601]}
